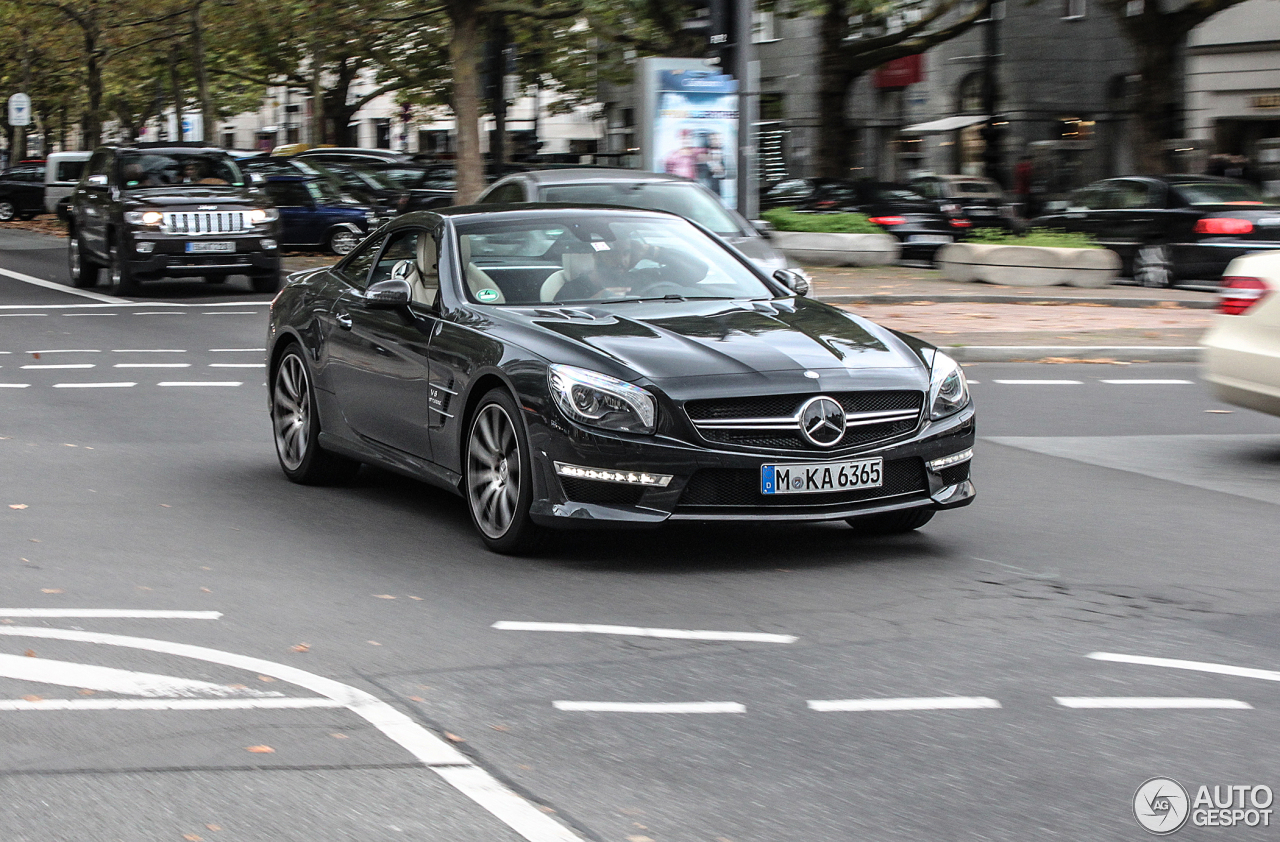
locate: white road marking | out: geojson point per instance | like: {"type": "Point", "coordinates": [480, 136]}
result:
{"type": "Point", "coordinates": [232, 313]}
{"type": "Point", "coordinates": [59, 365]}
{"type": "Point", "coordinates": [159, 313]}
{"type": "Point", "coordinates": [433, 752]}
{"type": "Point", "coordinates": [636, 631]}
{"type": "Point", "coordinates": [148, 350]}
{"type": "Point", "coordinates": [237, 365]}
{"type": "Point", "coordinates": [74, 315]}
{"type": "Point", "coordinates": [18, 315]}
{"type": "Point", "coordinates": [14, 385]}
{"type": "Point", "coordinates": [1149, 703]}
{"type": "Point", "coordinates": [112, 680]}
{"type": "Point", "coordinates": [152, 365]}
{"type": "Point", "coordinates": [236, 350]}
{"type": "Point", "coordinates": [200, 383]}
{"type": "Point", "coordinates": [1039, 382]}
{"type": "Point", "coordinates": [68, 351]}
{"type": "Point", "coordinates": [651, 707]}
{"type": "Point", "coordinates": [1149, 382]}
{"type": "Point", "coordinates": [167, 704]}
{"type": "Point", "coordinates": [41, 282]}
{"type": "Point", "coordinates": [111, 613]}
{"type": "Point", "coordinates": [119, 385]}
{"type": "Point", "coordinates": [921, 703]}
{"type": "Point", "coordinates": [1199, 666]}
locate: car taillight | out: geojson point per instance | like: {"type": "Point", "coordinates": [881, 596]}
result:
{"type": "Point", "coordinates": [889, 220]}
{"type": "Point", "coordinates": [961, 223]}
{"type": "Point", "coordinates": [825, 203]}
{"type": "Point", "coordinates": [1223, 225]}
{"type": "Point", "coordinates": [1239, 294]}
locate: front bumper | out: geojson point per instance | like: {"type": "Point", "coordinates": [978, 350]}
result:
{"type": "Point", "coordinates": [724, 485]}
{"type": "Point", "coordinates": [168, 257]}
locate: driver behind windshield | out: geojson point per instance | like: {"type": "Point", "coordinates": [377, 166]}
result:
{"type": "Point", "coordinates": [631, 266]}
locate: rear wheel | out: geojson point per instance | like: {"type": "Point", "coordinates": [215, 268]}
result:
{"type": "Point", "coordinates": [891, 523]}
{"type": "Point", "coordinates": [499, 482]}
{"type": "Point", "coordinates": [7, 211]}
{"type": "Point", "coordinates": [84, 272]}
{"type": "Point", "coordinates": [1153, 266]}
{"type": "Point", "coordinates": [120, 280]}
{"type": "Point", "coordinates": [296, 427]}
{"type": "Point", "coordinates": [343, 242]}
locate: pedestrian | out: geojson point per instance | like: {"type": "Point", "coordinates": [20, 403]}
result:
{"type": "Point", "coordinates": [1022, 176]}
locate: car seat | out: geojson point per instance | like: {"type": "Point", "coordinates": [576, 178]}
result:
{"type": "Point", "coordinates": [477, 279]}
{"type": "Point", "coordinates": [574, 265]}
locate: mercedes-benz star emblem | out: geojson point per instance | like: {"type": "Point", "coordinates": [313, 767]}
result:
{"type": "Point", "coordinates": [822, 421]}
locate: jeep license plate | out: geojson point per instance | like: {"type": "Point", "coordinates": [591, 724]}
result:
{"type": "Point", "coordinates": [210, 248]}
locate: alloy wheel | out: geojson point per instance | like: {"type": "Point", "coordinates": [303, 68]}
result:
{"type": "Point", "coordinates": [291, 411]}
{"type": "Point", "coordinates": [493, 470]}
{"type": "Point", "coordinates": [73, 260]}
{"type": "Point", "coordinates": [1153, 267]}
{"type": "Point", "coordinates": [7, 211]}
{"type": "Point", "coordinates": [343, 242]}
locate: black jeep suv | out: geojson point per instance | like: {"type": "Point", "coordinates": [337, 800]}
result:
{"type": "Point", "coordinates": [152, 210]}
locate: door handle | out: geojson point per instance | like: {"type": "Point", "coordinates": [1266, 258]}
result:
{"type": "Point", "coordinates": [344, 321]}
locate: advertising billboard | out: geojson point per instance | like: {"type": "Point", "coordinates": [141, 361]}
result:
{"type": "Point", "coordinates": [694, 129]}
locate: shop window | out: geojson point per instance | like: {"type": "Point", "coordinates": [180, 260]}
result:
{"type": "Point", "coordinates": [1075, 128]}
{"type": "Point", "coordinates": [772, 106]}
{"type": "Point", "coordinates": [969, 94]}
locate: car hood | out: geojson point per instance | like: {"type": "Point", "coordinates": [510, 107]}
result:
{"type": "Point", "coordinates": [681, 343]}
{"type": "Point", "coordinates": [189, 195]}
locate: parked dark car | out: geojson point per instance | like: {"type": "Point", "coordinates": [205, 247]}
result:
{"type": "Point", "coordinates": [22, 191]}
{"type": "Point", "coordinates": [1168, 228]}
{"type": "Point", "coordinates": [789, 192]}
{"type": "Point", "coordinates": [901, 211]}
{"type": "Point", "coordinates": [637, 189]}
{"type": "Point", "coordinates": [362, 182]}
{"type": "Point", "coordinates": [578, 367]}
{"type": "Point", "coordinates": [975, 198]}
{"type": "Point", "coordinates": [428, 187]}
{"type": "Point", "coordinates": [315, 214]}
{"type": "Point", "coordinates": [170, 209]}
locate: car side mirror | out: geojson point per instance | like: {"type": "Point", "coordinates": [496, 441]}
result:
{"type": "Point", "coordinates": [764, 226]}
{"type": "Point", "coordinates": [390, 294]}
{"type": "Point", "coordinates": [96, 181]}
{"type": "Point", "coordinates": [793, 279]}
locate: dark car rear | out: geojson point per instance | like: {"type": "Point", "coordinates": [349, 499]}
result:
{"type": "Point", "coordinates": [902, 212]}
{"type": "Point", "coordinates": [979, 200]}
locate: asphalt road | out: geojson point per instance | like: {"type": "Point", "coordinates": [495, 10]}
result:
{"type": "Point", "coordinates": [1134, 519]}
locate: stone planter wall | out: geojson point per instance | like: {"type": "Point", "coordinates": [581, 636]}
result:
{"type": "Point", "coordinates": [1028, 266]}
{"type": "Point", "coordinates": [837, 249]}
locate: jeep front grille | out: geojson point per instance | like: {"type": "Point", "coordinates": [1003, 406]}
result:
{"type": "Point", "coordinates": [205, 222]}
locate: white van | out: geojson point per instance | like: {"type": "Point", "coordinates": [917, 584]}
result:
{"type": "Point", "coordinates": [61, 175]}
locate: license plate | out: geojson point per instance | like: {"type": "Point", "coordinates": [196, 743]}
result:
{"type": "Point", "coordinates": [817, 477]}
{"type": "Point", "coordinates": [210, 248]}
{"type": "Point", "coordinates": [929, 239]}
{"type": "Point", "coordinates": [981, 211]}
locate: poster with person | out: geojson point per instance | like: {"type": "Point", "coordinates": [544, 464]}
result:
{"type": "Point", "coordinates": [696, 130]}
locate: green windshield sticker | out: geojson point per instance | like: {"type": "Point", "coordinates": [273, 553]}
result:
{"type": "Point", "coordinates": [487, 295]}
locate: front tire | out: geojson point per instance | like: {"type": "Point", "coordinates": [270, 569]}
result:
{"type": "Point", "coordinates": [891, 523]}
{"type": "Point", "coordinates": [120, 279]}
{"type": "Point", "coordinates": [498, 481]}
{"type": "Point", "coordinates": [7, 211]}
{"type": "Point", "coordinates": [296, 427]}
{"type": "Point", "coordinates": [1153, 266]}
{"type": "Point", "coordinates": [342, 242]}
{"type": "Point", "coordinates": [84, 272]}
{"type": "Point", "coordinates": [266, 283]}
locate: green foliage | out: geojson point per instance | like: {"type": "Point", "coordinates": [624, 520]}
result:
{"type": "Point", "coordinates": [1044, 237]}
{"type": "Point", "coordinates": [786, 219]}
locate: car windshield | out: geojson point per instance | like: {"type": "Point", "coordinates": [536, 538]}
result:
{"type": "Point", "coordinates": [403, 177]}
{"type": "Point", "coordinates": [1220, 193]}
{"type": "Point", "coordinates": [325, 193]}
{"type": "Point", "coordinates": [145, 170]}
{"type": "Point", "coordinates": [897, 194]}
{"type": "Point", "coordinates": [975, 188]}
{"type": "Point", "coordinates": [582, 258]}
{"type": "Point", "coordinates": [682, 199]}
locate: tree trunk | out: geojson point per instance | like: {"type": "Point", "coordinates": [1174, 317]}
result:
{"type": "Point", "coordinates": [208, 116]}
{"type": "Point", "coordinates": [337, 106]}
{"type": "Point", "coordinates": [464, 51]}
{"type": "Point", "coordinates": [177, 95]}
{"type": "Point", "coordinates": [1158, 97]}
{"type": "Point", "coordinates": [834, 82]}
{"type": "Point", "coordinates": [93, 84]}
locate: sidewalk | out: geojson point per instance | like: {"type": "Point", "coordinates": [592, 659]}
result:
{"type": "Point", "coordinates": [989, 323]}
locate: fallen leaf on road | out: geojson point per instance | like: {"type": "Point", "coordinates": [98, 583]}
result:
{"type": "Point", "coordinates": [206, 568]}
{"type": "Point", "coordinates": [417, 598]}
{"type": "Point", "coordinates": [500, 727]}
{"type": "Point", "coordinates": [260, 749]}
{"type": "Point", "coordinates": [265, 678]}
{"type": "Point", "coordinates": [639, 839]}
{"type": "Point", "coordinates": [544, 808]}
{"type": "Point", "coordinates": [17, 505]}
{"type": "Point", "coordinates": [64, 444]}
{"type": "Point", "coordinates": [383, 596]}
{"type": "Point", "coordinates": [416, 699]}
{"type": "Point", "coordinates": [84, 691]}
{"type": "Point", "coordinates": [340, 736]}
{"type": "Point", "coordinates": [206, 590]}
{"type": "Point", "coordinates": [143, 588]}
{"type": "Point", "coordinates": [373, 643]}
{"type": "Point", "coordinates": [1220, 411]}
{"type": "Point", "coordinates": [35, 540]}
{"type": "Point", "coordinates": [30, 653]}
{"type": "Point", "coordinates": [238, 686]}
{"type": "Point", "coordinates": [213, 827]}
{"type": "Point", "coordinates": [191, 837]}
{"type": "Point", "coordinates": [301, 647]}
{"type": "Point", "coordinates": [51, 590]}
{"type": "Point", "coordinates": [165, 506]}
{"type": "Point", "coordinates": [453, 738]}
{"type": "Point", "coordinates": [32, 698]}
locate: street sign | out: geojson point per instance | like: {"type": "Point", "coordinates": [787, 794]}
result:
{"type": "Point", "coordinates": [19, 110]}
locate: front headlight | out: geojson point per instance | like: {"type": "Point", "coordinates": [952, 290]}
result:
{"type": "Point", "coordinates": [258, 216]}
{"type": "Point", "coordinates": [149, 218]}
{"type": "Point", "coordinates": [600, 401]}
{"type": "Point", "coordinates": [948, 389]}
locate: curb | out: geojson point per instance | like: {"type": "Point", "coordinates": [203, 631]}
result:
{"type": "Point", "coordinates": [1035, 353]}
{"type": "Point", "coordinates": [967, 298]}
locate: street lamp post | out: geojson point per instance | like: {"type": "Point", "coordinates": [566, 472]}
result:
{"type": "Point", "coordinates": [992, 132]}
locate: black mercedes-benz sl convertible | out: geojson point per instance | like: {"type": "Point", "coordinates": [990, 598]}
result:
{"type": "Point", "coordinates": [571, 367]}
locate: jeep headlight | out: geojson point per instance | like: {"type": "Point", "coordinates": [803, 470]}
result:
{"type": "Point", "coordinates": [259, 216]}
{"type": "Point", "coordinates": [948, 389]}
{"type": "Point", "coordinates": [600, 401]}
{"type": "Point", "coordinates": [150, 219]}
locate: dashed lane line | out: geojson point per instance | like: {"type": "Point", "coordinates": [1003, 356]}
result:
{"type": "Point", "coordinates": [166, 704]}
{"type": "Point", "coordinates": [110, 613]}
{"type": "Point", "coordinates": [237, 350]}
{"type": "Point", "coordinates": [148, 350]}
{"type": "Point", "coordinates": [1039, 382]}
{"type": "Point", "coordinates": [1149, 382]}
{"type": "Point", "coordinates": [1150, 703]}
{"type": "Point", "coordinates": [636, 631]}
{"type": "Point", "coordinates": [152, 365]}
{"type": "Point", "coordinates": [67, 351]}
{"type": "Point", "coordinates": [200, 383]}
{"type": "Point", "coordinates": [651, 707]}
{"type": "Point", "coordinates": [920, 703]}
{"type": "Point", "coordinates": [237, 365]}
{"type": "Point", "coordinates": [1198, 666]}
{"type": "Point", "coordinates": [232, 313]}
{"type": "Point", "coordinates": [52, 366]}
{"type": "Point", "coordinates": [159, 313]}
{"type": "Point", "coordinates": [432, 751]}
{"type": "Point", "coordinates": [14, 385]}
{"type": "Point", "coordinates": [41, 282]}
{"type": "Point", "coordinates": [20, 315]}
{"type": "Point", "coordinates": [118, 385]}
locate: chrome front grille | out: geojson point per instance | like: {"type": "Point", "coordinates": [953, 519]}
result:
{"type": "Point", "coordinates": [200, 223]}
{"type": "Point", "coordinates": [774, 422]}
